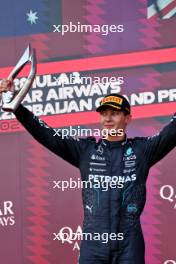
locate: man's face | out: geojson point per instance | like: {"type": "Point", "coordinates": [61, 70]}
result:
{"type": "Point", "coordinates": [111, 118]}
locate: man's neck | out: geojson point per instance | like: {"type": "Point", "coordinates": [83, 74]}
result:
{"type": "Point", "coordinates": [116, 138]}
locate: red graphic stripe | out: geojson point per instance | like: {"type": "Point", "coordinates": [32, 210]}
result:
{"type": "Point", "coordinates": [91, 117]}
{"type": "Point", "coordinates": [37, 241]}
{"type": "Point", "coordinates": [126, 60]}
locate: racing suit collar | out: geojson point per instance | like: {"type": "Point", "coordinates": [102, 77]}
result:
{"type": "Point", "coordinates": [108, 143]}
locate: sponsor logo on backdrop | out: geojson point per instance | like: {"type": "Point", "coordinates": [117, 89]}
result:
{"type": "Point", "coordinates": [7, 217]}
{"type": "Point", "coordinates": [69, 93]}
{"type": "Point", "coordinates": [167, 192]}
{"type": "Point", "coordinates": [66, 93]}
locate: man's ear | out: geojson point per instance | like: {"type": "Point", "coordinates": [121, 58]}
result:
{"type": "Point", "coordinates": [128, 119]}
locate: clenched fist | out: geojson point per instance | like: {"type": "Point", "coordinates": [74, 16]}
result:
{"type": "Point", "coordinates": [6, 85]}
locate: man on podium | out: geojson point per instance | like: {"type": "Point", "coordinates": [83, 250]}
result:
{"type": "Point", "coordinates": [117, 159]}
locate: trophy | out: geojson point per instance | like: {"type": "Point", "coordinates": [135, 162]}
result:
{"type": "Point", "coordinates": [12, 99]}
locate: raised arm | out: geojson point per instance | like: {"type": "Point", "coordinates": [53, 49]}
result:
{"type": "Point", "coordinates": [68, 148]}
{"type": "Point", "coordinates": [162, 143]}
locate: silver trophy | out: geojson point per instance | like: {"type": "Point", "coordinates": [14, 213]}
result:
{"type": "Point", "coordinates": [12, 98]}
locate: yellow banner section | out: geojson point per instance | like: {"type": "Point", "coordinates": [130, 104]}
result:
{"type": "Point", "coordinates": [113, 99]}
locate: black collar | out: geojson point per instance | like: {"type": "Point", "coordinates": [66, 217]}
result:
{"type": "Point", "coordinates": [106, 142]}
